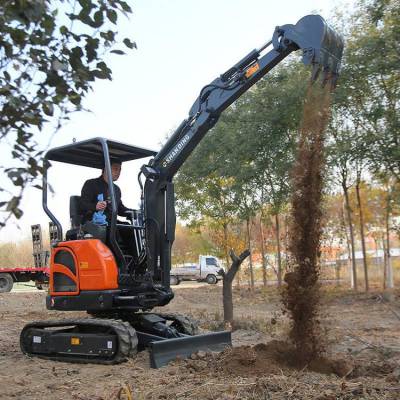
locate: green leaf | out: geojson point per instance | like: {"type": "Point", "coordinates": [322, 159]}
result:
{"type": "Point", "coordinates": [112, 15]}
{"type": "Point", "coordinates": [75, 98]}
{"type": "Point", "coordinates": [8, 49]}
{"type": "Point", "coordinates": [98, 73]}
{"type": "Point", "coordinates": [125, 6]}
{"type": "Point", "coordinates": [109, 35]}
{"type": "Point", "coordinates": [129, 44]}
{"type": "Point", "coordinates": [48, 108]}
{"type": "Point", "coordinates": [19, 36]}
{"type": "Point", "coordinates": [17, 212]}
{"type": "Point", "coordinates": [120, 52]}
{"type": "Point", "coordinates": [48, 24]}
{"type": "Point", "coordinates": [98, 19]}
{"type": "Point", "coordinates": [91, 47]}
{"type": "Point", "coordinates": [75, 59]}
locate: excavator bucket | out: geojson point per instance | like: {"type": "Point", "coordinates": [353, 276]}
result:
{"type": "Point", "coordinates": [322, 47]}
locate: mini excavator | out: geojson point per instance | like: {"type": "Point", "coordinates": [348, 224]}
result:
{"type": "Point", "coordinates": [119, 273]}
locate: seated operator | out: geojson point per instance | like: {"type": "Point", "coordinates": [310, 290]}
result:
{"type": "Point", "coordinates": [91, 190]}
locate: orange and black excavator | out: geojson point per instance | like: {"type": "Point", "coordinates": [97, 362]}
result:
{"type": "Point", "coordinates": [118, 273]}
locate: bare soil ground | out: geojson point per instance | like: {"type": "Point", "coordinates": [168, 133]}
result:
{"type": "Point", "coordinates": [362, 362]}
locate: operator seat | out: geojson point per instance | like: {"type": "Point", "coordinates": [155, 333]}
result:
{"type": "Point", "coordinates": [75, 212]}
{"type": "Point", "coordinates": [128, 238]}
{"type": "Point", "coordinates": [76, 217]}
{"type": "Point", "coordinates": [78, 226]}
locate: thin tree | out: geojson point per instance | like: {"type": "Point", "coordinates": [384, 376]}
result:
{"type": "Point", "coordinates": [388, 272]}
{"type": "Point", "coordinates": [361, 221]}
{"type": "Point", "coordinates": [228, 278]}
{"type": "Point", "coordinates": [351, 230]}
{"type": "Point", "coordinates": [262, 248]}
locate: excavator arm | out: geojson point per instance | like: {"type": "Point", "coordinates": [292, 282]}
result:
{"type": "Point", "coordinates": [321, 48]}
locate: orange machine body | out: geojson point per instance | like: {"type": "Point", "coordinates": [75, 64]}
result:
{"type": "Point", "coordinates": [81, 265]}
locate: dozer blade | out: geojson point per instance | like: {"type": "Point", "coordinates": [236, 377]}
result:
{"type": "Point", "coordinates": [321, 45]}
{"type": "Point", "coordinates": [165, 350]}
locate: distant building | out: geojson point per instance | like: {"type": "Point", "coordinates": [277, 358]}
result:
{"type": "Point", "coordinates": [379, 253]}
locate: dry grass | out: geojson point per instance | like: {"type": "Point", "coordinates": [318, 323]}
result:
{"type": "Point", "coordinates": [362, 329]}
{"type": "Point", "coordinates": [298, 385]}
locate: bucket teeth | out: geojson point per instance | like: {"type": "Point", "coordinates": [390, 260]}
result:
{"type": "Point", "coordinates": [316, 69]}
{"type": "Point", "coordinates": [334, 80]}
{"type": "Point", "coordinates": [326, 76]}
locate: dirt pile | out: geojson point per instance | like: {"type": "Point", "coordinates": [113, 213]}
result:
{"type": "Point", "coordinates": [301, 294]}
{"type": "Point", "coordinates": [263, 359]}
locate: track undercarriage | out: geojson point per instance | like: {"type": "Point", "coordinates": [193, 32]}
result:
{"type": "Point", "coordinates": [113, 337]}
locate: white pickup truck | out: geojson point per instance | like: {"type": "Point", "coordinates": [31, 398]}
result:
{"type": "Point", "coordinates": [207, 270]}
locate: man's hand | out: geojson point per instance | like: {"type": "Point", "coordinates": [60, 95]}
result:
{"type": "Point", "coordinates": [101, 205]}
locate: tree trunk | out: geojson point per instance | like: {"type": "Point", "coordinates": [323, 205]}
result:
{"type": "Point", "coordinates": [350, 262]}
{"type": "Point", "coordinates": [228, 278]}
{"type": "Point", "coordinates": [226, 244]}
{"type": "Point", "coordinates": [225, 225]}
{"type": "Point", "coordinates": [348, 244]}
{"type": "Point", "coordinates": [264, 264]}
{"type": "Point", "coordinates": [338, 260]}
{"type": "Point", "coordinates": [362, 235]}
{"type": "Point", "coordinates": [227, 300]}
{"type": "Point", "coordinates": [385, 261]}
{"type": "Point", "coordinates": [389, 267]}
{"type": "Point", "coordinates": [337, 271]}
{"type": "Point", "coordinates": [377, 258]}
{"type": "Point", "coordinates": [350, 223]}
{"type": "Point", "coordinates": [286, 236]}
{"type": "Point", "coordinates": [250, 258]}
{"type": "Point", "coordinates": [278, 249]}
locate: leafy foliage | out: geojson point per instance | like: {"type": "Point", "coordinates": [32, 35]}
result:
{"type": "Point", "coordinates": [243, 164]}
{"type": "Point", "coordinates": [370, 88]}
{"type": "Point", "coordinates": [188, 245]}
{"type": "Point", "coordinates": [51, 53]}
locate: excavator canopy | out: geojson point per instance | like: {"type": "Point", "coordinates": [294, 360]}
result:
{"type": "Point", "coordinates": [90, 153]}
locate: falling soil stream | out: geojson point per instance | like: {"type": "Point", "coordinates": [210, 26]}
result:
{"type": "Point", "coordinates": [301, 292]}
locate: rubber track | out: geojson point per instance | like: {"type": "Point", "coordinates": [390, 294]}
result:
{"type": "Point", "coordinates": [127, 339]}
{"type": "Point", "coordinates": [185, 325]}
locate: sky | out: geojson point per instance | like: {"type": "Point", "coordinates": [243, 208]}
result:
{"type": "Point", "coordinates": [182, 46]}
